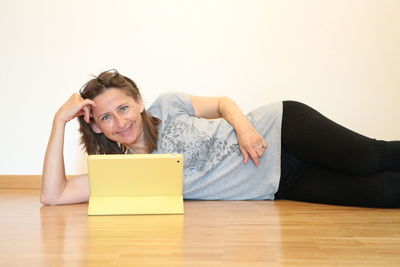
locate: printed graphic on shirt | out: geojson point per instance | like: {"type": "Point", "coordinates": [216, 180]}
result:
{"type": "Point", "coordinates": [201, 150]}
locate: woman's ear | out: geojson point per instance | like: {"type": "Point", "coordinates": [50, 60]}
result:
{"type": "Point", "coordinates": [95, 127]}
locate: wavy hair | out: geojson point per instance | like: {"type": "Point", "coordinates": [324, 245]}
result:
{"type": "Point", "coordinates": [95, 143]}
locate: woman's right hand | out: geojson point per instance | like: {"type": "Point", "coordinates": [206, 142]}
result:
{"type": "Point", "coordinates": [74, 107]}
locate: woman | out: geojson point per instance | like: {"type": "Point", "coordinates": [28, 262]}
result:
{"type": "Point", "coordinates": [297, 153]}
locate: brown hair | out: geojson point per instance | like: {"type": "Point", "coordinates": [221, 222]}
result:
{"type": "Point", "coordinates": [98, 143]}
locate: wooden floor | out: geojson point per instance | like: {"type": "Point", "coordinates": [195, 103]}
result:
{"type": "Point", "coordinates": [211, 233]}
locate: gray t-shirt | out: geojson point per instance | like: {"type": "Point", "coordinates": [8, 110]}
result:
{"type": "Point", "coordinates": [214, 167]}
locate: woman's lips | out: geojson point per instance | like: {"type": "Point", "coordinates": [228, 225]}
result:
{"type": "Point", "coordinates": [126, 131]}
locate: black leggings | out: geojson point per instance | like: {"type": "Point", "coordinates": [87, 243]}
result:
{"type": "Point", "coordinates": [323, 162]}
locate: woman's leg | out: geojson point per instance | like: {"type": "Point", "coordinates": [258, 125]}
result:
{"type": "Point", "coordinates": [314, 139]}
{"type": "Point", "coordinates": [319, 185]}
{"type": "Point", "coordinates": [323, 162]}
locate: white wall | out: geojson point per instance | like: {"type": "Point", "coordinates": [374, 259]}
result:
{"type": "Point", "coordinates": [341, 57]}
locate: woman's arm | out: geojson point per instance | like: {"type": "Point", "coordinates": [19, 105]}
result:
{"type": "Point", "coordinates": [251, 143]}
{"type": "Point", "coordinates": [56, 189]}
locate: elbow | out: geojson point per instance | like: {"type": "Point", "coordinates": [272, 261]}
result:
{"type": "Point", "coordinates": [48, 201]}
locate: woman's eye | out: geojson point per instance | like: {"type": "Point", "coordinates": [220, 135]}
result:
{"type": "Point", "coordinates": [106, 117]}
{"type": "Point", "coordinates": [123, 108]}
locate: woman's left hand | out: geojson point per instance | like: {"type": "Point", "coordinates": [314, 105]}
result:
{"type": "Point", "coordinates": [251, 143]}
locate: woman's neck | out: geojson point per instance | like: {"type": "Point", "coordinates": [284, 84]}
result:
{"type": "Point", "coordinates": [138, 149]}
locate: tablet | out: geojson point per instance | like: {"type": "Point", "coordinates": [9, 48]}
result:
{"type": "Point", "coordinates": [135, 184]}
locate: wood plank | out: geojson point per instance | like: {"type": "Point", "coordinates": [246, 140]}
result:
{"type": "Point", "coordinates": [210, 233]}
{"type": "Point", "coordinates": [22, 181]}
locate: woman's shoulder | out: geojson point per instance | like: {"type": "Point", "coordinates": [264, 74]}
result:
{"type": "Point", "coordinates": [171, 101]}
{"type": "Point", "coordinates": [171, 96]}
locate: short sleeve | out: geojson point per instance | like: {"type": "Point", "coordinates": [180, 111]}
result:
{"type": "Point", "coordinates": [171, 103]}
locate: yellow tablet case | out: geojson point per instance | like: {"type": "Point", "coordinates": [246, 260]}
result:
{"type": "Point", "coordinates": [135, 184]}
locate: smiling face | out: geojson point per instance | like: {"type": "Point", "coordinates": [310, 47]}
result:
{"type": "Point", "coordinates": [118, 116]}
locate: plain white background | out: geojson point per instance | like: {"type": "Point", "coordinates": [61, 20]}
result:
{"type": "Point", "coordinates": [341, 57]}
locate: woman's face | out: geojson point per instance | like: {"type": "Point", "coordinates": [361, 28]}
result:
{"type": "Point", "coordinates": [118, 116]}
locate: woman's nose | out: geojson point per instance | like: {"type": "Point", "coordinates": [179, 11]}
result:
{"type": "Point", "coordinates": [119, 121]}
